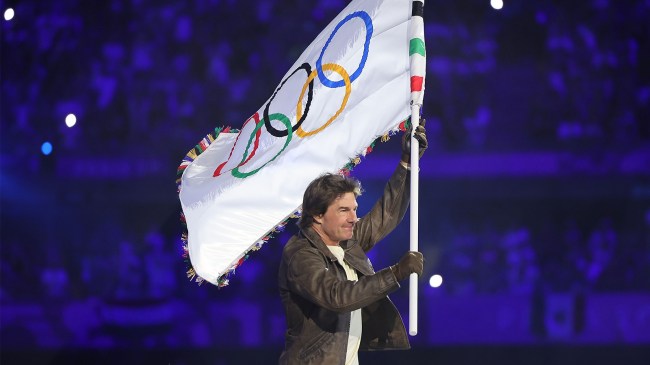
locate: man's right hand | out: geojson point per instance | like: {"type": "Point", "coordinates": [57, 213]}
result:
{"type": "Point", "coordinates": [411, 262]}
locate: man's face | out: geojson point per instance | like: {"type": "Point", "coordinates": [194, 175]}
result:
{"type": "Point", "coordinates": [337, 224]}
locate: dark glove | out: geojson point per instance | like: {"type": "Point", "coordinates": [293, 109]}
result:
{"type": "Point", "coordinates": [411, 262]}
{"type": "Point", "coordinates": [420, 135]}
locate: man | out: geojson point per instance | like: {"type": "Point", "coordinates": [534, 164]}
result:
{"type": "Point", "coordinates": [334, 301]}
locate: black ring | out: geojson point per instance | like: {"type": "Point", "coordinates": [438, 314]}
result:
{"type": "Point", "coordinates": [267, 121]}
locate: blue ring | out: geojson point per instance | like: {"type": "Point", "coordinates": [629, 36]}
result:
{"type": "Point", "coordinates": [319, 62]}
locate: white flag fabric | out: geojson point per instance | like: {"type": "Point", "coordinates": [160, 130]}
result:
{"type": "Point", "coordinates": [349, 87]}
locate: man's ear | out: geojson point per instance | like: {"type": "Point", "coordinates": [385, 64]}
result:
{"type": "Point", "coordinates": [318, 219]}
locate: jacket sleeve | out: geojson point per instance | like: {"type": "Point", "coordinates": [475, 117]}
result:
{"type": "Point", "coordinates": [310, 276]}
{"type": "Point", "coordinates": [387, 212]}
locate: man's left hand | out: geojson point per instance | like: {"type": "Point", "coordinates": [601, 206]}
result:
{"type": "Point", "coordinates": [420, 135]}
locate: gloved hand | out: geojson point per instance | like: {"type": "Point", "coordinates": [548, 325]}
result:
{"type": "Point", "coordinates": [420, 135]}
{"type": "Point", "coordinates": [411, 262]}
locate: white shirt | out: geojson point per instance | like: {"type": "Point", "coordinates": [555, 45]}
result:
{"type": "Point", "coordinates": [354, 337]}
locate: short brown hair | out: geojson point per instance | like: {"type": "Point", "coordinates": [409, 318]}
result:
{"type": "Point", "coordinates": [322, 192]}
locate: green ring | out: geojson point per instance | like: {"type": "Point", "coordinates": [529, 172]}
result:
{"type": "Point", "coordinates": [277, 116]}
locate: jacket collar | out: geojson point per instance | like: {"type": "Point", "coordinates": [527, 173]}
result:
{"type": "Point", "coordinates": [354, 258]}
{"type": "Point", "coordinates": [314, 238]}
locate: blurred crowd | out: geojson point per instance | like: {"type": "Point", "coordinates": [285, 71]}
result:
{"type": "Point", "coordinates": [569, 255]}
{"type": "Point", "coordinates": [549, 75]}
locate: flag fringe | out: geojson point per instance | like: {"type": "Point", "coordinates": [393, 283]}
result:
{"type": "Point", "coordinates": [203, 145]}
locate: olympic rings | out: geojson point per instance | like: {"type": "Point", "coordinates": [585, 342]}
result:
{"type": "Point", "coordinates": [256, 117]}
{"type": "Point", "coordinates": [308, 87]}
{"type": "Point", "coordinates": [277, 116]}
{"type": "Point", "coordinates": [267, 122]}
{"type": "Point", "coordinates": [366, 46]}
{"type": "Point", "coordinates": [348, 89]}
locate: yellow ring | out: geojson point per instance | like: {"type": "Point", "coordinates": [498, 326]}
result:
{"type": "Point", "coordinates": [348, 89]}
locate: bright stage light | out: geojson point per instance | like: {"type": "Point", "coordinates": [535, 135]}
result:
{"type": "Point", "coordinates": [46, 148]}
{"type": "Point", "coordinates": [9, 14]}
{"type": "Point", "coordinates": [70, 120]}
{"type": "Point", "coordinates": [435, 281]}
{"type": "Point", "coordinates": [496, 4]}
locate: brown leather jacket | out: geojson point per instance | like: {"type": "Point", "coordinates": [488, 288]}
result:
{"type": "Point", "coordinates": [318, 298]}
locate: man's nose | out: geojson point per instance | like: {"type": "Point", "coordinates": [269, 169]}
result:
{"type": "Point", "coordinates": [352, 217]}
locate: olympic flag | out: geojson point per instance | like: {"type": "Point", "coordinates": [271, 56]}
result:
{"type": "Point", "coordinates": [350, 86]}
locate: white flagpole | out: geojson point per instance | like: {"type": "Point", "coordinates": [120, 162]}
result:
{"type": "Point", "coordinates": [415, 180]}
{"type": "Point", "coordinates": [417, 54]}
